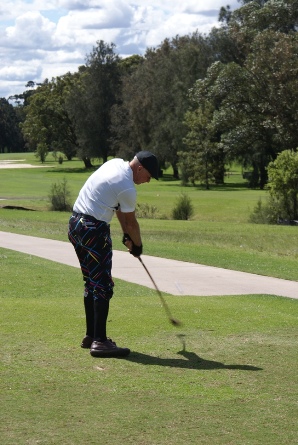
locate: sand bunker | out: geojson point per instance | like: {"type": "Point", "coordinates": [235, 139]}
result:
{"type": "Point", "coordinates": [14, 163]}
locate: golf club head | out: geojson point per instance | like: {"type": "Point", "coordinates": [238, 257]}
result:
{"type": "Point", "coordinates": [172, 320]}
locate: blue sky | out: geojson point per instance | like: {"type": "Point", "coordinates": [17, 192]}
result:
{"type": "Point", "coordinates": [42, 39]}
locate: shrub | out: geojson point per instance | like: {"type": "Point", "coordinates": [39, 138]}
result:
{"type": "Point", "coordinates": [283, 184]}
{"type": "Point", "coordinates": [41, 152]}
{"type": "Point", "coordinates": [60, 197]}
{"type": "Point", "coordinates": [146, 211]}
{"type": "Point", "coordinates": [263, 213]}
{"type": "Point", "coordinates": [282, 203]}
{"type": "Point", "coordinates": [269, 213]}
{"type": "Point", "coordinates": [183, 209]}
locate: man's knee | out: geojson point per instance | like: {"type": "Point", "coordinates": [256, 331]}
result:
{"type": "Point", "coordinates": [102, 294]}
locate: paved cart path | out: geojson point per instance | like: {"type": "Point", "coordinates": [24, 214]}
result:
{"type": "Point", "coordinates": [174, 277]}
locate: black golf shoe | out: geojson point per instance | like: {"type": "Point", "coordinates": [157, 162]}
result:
{"type": "Point", "coordinates": [107, 348]}
{"type": "Point", "coordinates": [87, 342]}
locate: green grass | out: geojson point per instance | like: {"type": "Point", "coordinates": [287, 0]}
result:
{"type": "Point", "coordinates": [227, 377]}
{"type": "Point", "coordinates": [30, 188]}
{"type": "Point", "coordinates": [233, 382]}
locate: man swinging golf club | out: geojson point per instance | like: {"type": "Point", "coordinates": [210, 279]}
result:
{"type": "Point", "coordinates": [109, 189]}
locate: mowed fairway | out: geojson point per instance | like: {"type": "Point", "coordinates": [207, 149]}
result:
{"type": "Point", "coordinates": [228, 376]}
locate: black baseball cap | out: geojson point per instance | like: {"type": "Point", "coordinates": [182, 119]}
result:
{"type": "Point", "coordinates": [149, 161]}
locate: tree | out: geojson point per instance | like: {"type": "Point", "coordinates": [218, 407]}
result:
{"type": "Point", "coordinates": [41, 151]}
{"type": "Point", "coordinates": [200, 161]}
{"type": "Point", "coordinates": [90, 101]}
{"type": "Point", "coordinates": [273, 64]}
{"type": "Point", "coordinates": [21, 100]}
{"type": "Point", "coordinates": [255, 102]}
{"type": "Point", "coordinates": [123, 142]}
{"type": "Point", "coordinates": [283, 184]}
{"type": "Point", "coordinates": [155, 97]}
{"type": "Point", "coordinates": [177, 64]}
{"type": "Point", "coordinates": [131, 124]}
{"type": "Point", "coordinates": [253, 85]}
{"type": "Point", "coordinates": [260, 15]}
{"type": "Point", "coordinates": [47, 119]}
{"type": "Point", "coordinates": [11, 139]}
{"type": "Point", "coordinates": [237, 118]}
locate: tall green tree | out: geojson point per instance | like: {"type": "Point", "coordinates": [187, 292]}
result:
{"type": "Point", "coordinates": [90, 102]}
{"type": "Point", "coordinates": [256, 16]}
{"type": "Point", "coordinates": [177, 64]}
{"type": "Point", "coordinates": [47, 119]}
{"type": "Point", "coordinates": [201, 162]}
{"type": "Point", "coordinates": [124, 130]}
{"type": "Point", "coordinates": [255, 99]}
{"type": "Point", "coordinates": [155, 96]}
{"type": "Point", "coordinates": [11, 139]}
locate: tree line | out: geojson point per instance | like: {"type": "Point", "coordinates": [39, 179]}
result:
{"type": "Point", "coordinates": [200, 102]}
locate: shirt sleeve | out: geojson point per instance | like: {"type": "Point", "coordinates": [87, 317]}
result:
{"type": "Point", "coordinates": [127, 200]}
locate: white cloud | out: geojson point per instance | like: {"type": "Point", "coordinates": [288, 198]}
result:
{"type": "Point", "coordinates": [83, 28]}
{"type": "Point", "coordinates": [46, 38]}
{"type": "Point", "coordinates": [31, 30]}
{"type": "Point", "coordinates": [20, 72]}
{"type": "Point", "coordinates": [15, 76]}
{"type": "Point", "coordinates": [180, 24]}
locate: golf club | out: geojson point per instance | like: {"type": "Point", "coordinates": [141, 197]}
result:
{"type": "Point", "coordinates": [166, 307]}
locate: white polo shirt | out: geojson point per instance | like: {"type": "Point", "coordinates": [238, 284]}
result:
{"type": "Point", "coordinates": [110, 187]}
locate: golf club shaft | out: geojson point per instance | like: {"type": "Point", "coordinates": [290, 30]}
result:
{"type": "Point", "coordinates": [166, 307]}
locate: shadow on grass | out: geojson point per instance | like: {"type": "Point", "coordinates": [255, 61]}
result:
{"type": "Point", "coordinates": [193, 361]}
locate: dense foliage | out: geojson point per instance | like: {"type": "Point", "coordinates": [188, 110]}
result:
{"type": "Point", "coordinates": [283, 184]}
{"type": "Point", "coordinates": [11, 139]}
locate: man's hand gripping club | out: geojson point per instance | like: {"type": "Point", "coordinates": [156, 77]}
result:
{"type": "Point", "coordinates": [136, 251]}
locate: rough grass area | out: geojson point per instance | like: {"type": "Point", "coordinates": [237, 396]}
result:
{"type": "Point", "coordinates": [227, 377]}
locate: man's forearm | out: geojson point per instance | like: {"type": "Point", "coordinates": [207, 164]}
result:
{"type": "Point", "coordinates": [130, 225]}
{"type": "Point", "coordinates": [122, 221]}
{"type": "Point", "coordinates": [133, 230]}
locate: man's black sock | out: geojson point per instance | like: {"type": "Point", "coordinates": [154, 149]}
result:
{"type": "Point", "coordinates": [101, 311]}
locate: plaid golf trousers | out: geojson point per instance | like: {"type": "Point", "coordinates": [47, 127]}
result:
{"type": "Point", "coordinates": [93, 245]}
